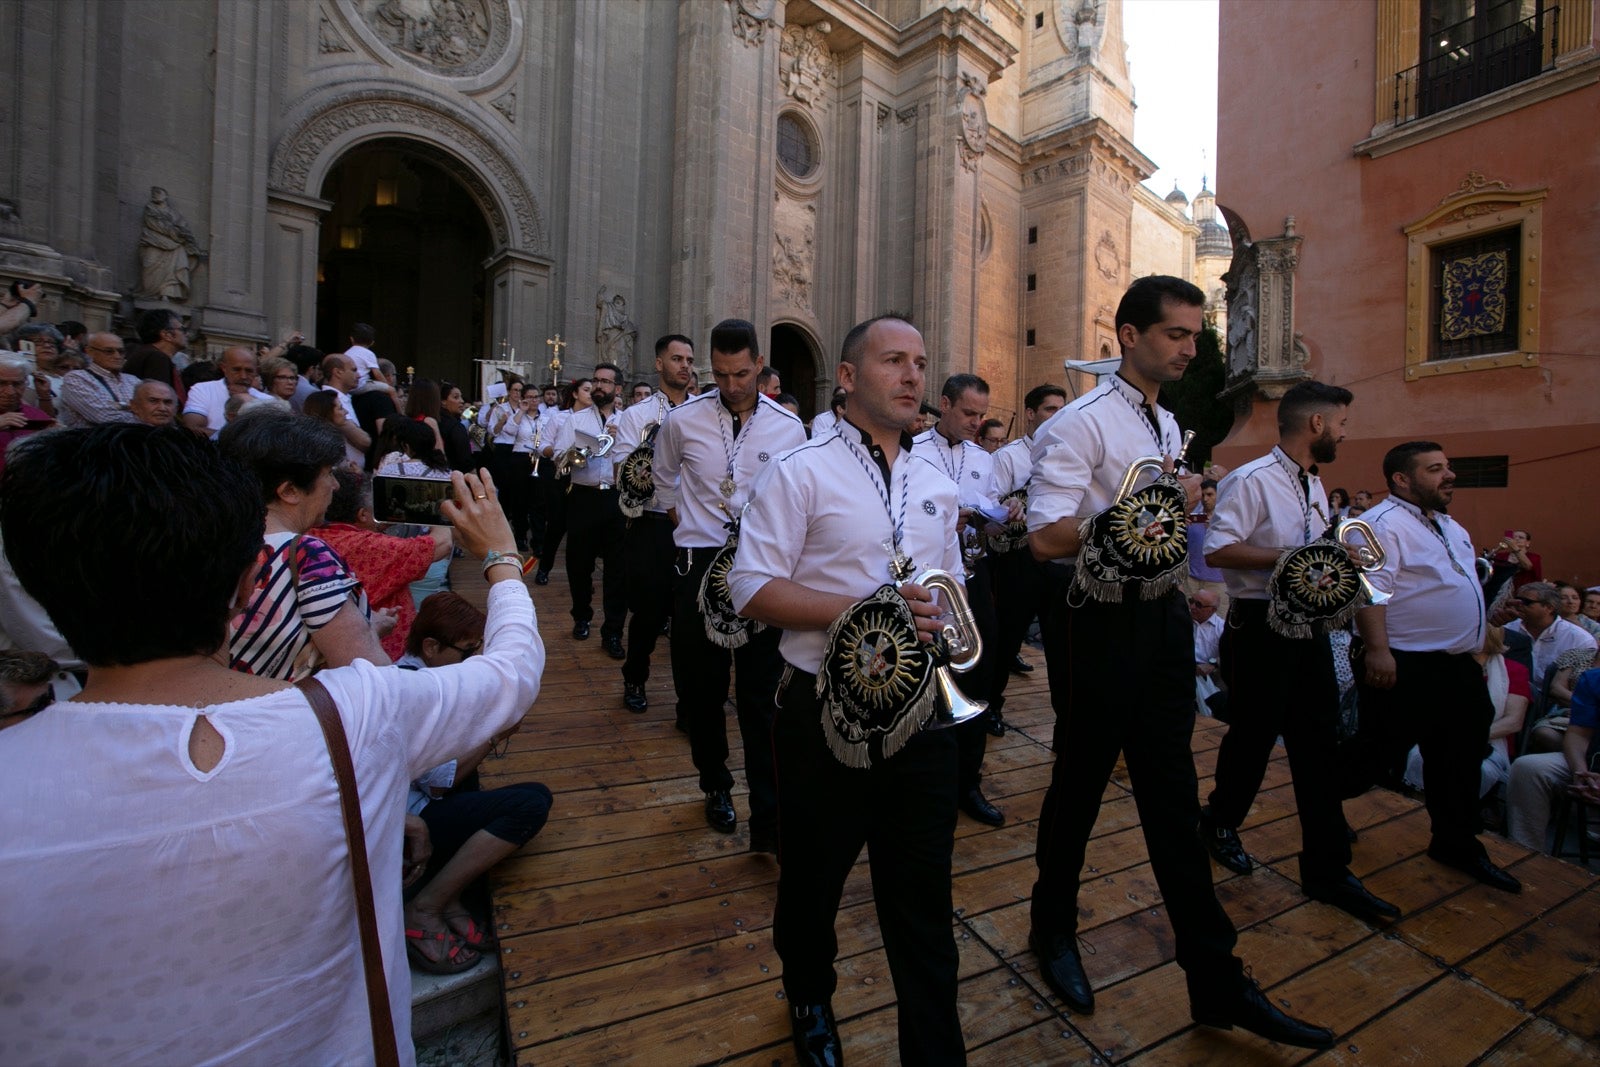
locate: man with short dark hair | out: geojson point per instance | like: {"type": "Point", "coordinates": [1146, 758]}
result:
{"type": "Point", "coordinates": [205, 410]}
{"type": "Point", "coordinates": [1419, 681]}
{"type": "Point", "coordinates": [1281, 685]}
{"type": "Point", "coordinates": [162, 339]}
{"type": "Point", "coordinates": [769, 382]}
{"type": "Point", "coordinates": [306, 360]}
{"type": "Point", "coordinates": [339, 378]}
{"type": "Point", "coordinates": [100, 392]}
{"type": "Point", "coordinates": [1135, 628]}
{"type": "Point", "coordinates": [154, 403]}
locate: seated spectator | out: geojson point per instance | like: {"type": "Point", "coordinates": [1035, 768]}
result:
{"type": "Point", "coordinates": [1536, 605]}
{"type": "Point", "coordinates": [186, 813]}
{"type": "Point", "coordinates": [410, 450]}
{"type": "Point", "coordinates": [99, 393]}
{"type": "Point", "coordinates": [154, 403]}
{"type": "Point", "coordinates": [1355, 511]}
{"type": "Point", "coordinates": [1338, 502]}
{"type": "Point", "coordinates": [206, 409]}
{"type": "Point", "coordinates": [1509, 693]}
{"type": "Point", "coordinates": [24, 685]}
{"type": "Point", "coordinates": [1571, 608]}
{"type": "Point", "coordinates": [305, 610]}
{"type": "Point", "coordinates": [469, 831]}
{"type": "Point", "coordinates": [1208, 627]}
{"type": "Point", "coordinates": [1591, 604]}
{"type": "Point", "coordinates": [384, 565]}
{"type": "Point", "coordinates": [1537, 779]}
{"type": "Point", "coordinates": [17, 420]}
{"type": "Point", "coordinates": [1546, 736]}
{"type": "Point", "coordinates": [991, 435]}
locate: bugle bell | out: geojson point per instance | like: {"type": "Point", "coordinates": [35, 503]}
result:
{"type": "Point", "coordinates": [1155, 465]}
{"type": "Point", "coordinates": [1367, 554]}
{"type": "Point", "coordinates": [959, 642]}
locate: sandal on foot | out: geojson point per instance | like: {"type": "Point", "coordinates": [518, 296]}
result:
{"type": "Point", "coordinates": [476, 937]}
{"type": "Point", "coordinates": [457, 958]}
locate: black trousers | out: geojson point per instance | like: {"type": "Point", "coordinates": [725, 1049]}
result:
{"type": "Point", "coordinates": [647, 558]}
{"type": "Point", "coordinates": [1131, 690]}
{"type": "Point", "coordinates": [539, 501]}
{"type": "Point", "coordinates": [700, 675]}
{"type": "Point", "coordinates": [594, 531]}
{"type": "Point", "coordinates": [554, 491]}
{"type": "Point", "coordinates": [904, 811]}
{"type": "Point", "coordinates": [510, 471]}
{"type": "Point", "coordinates": [1441, 703]}
{"type": "Point", "coordinates": [1019, 586]}
{"type": "Point", "coordinates": [971, 736]}
{"type": "Point", "coordinates": [1053, 621]}
{"type": "Point", "coordinates": [1280, 685]}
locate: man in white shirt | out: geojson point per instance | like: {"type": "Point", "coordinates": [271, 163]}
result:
{"type": "Point", "coordinates": [1079, 459]}
{"type": "Point", "coordinates": [360, 353]}
{"type": "Point", "coordinates": [204, 410]}
{"type": "Point", "coordinates": [647, 547]}
{"type": "Point", "coordinates": [711, 455]}
{"type": "Point", "coordinates": [837, 519]}
{"type": "Point", "coordinates": [339, 378]}
{"type": "Point", "coordinates": [1420, 683]}
{"type": "Point", "coordinates": [951, 445]}
{"type": "Point", "coordinates": [1538, 607]}
{"type": "Point", "coordinates": [1208, 627]}
{"type": "Point", "coordinates": [594, 524]}
{"type": "Point", "coordinates": [825, 421]}
{"type": "Point", "coordinates": [1280, 685]}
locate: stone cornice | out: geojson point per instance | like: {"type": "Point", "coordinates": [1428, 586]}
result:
{"type": "Point", "coordinates": [1096, 130]}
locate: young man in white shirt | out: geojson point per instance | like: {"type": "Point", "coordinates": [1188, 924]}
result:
{"type": "Point", "coordinates": [838, 518]}
{"type": "Point", "coordinates": [1419, 681]}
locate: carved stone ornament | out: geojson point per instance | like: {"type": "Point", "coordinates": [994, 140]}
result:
{"type": "Point", "coordinates": [752, 19]}
{"type": "Point", "coordinates": [1081, 23]}
{"type": "Point", "coordinates": [794, 253]}
{"type": "Point", "coordinates": [1471, 184]}
{"type": "Point", "coordinates": [974, 137]}
{"type": "Point", "coordinates": [329, 40]}
{"type": "Point", "coordinates": [1265, 353]}
{"type": "Point", "coordinates": [1107, 257]}
{"type": "Point", "coordinates": [506, 104]}
{"type": "Point", "coordinates": [806, 65]}
{"type": "Point", "coordinates": [457, 38]}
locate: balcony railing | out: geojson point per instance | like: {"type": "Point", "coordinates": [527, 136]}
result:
{"type": "Point", "coordinates": [1472, 69]}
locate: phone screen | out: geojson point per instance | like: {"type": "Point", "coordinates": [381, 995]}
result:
{"type": "Point", "coordinates": [414, 500]}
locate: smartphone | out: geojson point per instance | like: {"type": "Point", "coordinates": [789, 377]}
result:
{"type": "Point", "coordinates": [414, 500]}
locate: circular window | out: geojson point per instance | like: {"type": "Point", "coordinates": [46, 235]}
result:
{"type": "Point", "coordinates": [797, 146]}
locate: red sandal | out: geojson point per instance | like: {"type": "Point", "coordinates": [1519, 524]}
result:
{"type": "Point", "coordinates": [475, 937]}
{"type": "Point", "coordinates": [458, 957]}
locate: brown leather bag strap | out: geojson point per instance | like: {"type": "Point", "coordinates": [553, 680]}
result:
{"type": "Point", "coordinates": [384, 1049]}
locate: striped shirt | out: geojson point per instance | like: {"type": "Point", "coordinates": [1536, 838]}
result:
{"type": "Point", "coordinates": [277, 623]}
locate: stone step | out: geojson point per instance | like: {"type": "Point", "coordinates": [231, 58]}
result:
{"type": "Point", "coordinates": [440, 1001]}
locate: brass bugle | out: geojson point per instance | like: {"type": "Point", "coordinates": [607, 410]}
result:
{"type": "Point", "coordinates": [1367, 554]}
{"type": "Point", "coordinates": [1155, 465]}
{"type": "Point", "coordinates": [960, 641]}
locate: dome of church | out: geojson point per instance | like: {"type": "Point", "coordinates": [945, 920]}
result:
{"type": "Point", "coordinates": [1177, 196]}
{"type": "Point", "coordinates": [1213, 240]}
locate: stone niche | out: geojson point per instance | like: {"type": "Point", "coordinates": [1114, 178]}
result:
{"type": "Point", "coordinates": [1265, 352]}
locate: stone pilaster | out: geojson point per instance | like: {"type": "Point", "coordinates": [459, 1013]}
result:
{"type": "Point", "coordinates": [294, 223]}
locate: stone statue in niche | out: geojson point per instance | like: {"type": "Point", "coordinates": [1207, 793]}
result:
{"type": "Point", "coordinates": [614, 333]}
{"type": "Point", "coordinates": [806, 68]}
{"type": "Point", "coordinates": [445, 33]}
{"type": "Point", "coordinates": [1082, 23]}
{"type": "Point", "coordinates": [167, 251]}
{"type": "Point", "coordinates": [1242, 313]}
{"type": "Point", "coordinates": [791, 266]}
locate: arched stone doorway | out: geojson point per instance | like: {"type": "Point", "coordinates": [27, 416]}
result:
{"type": "Point", "coordinates": [402, 247]}
{"type": "Point", "coordinates": [793, 354]}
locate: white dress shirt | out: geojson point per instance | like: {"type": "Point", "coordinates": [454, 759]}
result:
{"type": "Point", "coordinates": [1013, 466]}
{"type": "Point", "coordinates": [507, 433]}
{"type": "Point", "coordinates": [1082, 451]}
{"type": "Point", "coordinates": [966, 464]}
{"type": "Point", "coordinates": [530, 432]}
{"type": "Point", "coordinates": [820, 520]}
{"type": "Point", "coordinates": [1559, 638]}
{"type": "Point", "coordinates": [598, 472]}
{"type": "Point", "coordinates": [633, 426]}
{"type": "Point", "coordinates": [1208, 639]}
{"type": "Point", "coordinates": [823, 423]}
{"type": "Point", "coordinates": [211, 400]}
{"type": "Point", "coordinates": [1263, 504]}
{"type": "Point", "coordinates": [1437, 603]}
{"type": "Point", "coordinates": [694, 451]}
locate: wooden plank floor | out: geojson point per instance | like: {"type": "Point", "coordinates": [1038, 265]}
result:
{"type": "Point", "coordinates": [632, 933]}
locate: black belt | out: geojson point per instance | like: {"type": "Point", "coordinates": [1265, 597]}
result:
{"type": "Point", "coordinates": [792, 675]}
{"type": "Point", "coordinates": [684, 558]}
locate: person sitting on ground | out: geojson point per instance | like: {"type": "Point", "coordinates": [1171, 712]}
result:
{"type": "Point", "coordinates": [1537, 779]}
{"type": "Point", "coordinates": [468, 831]}
{"type": "Point", "coordinates": [1571, 608]}
{"type": "Point", "coordinates": [1509, 692]}
{"type": "Point", "coordinates": [192, 810]}
{"type": "Point", "coordinates": [384, 565]}
{"type": "Point", "coordinates": [24, 685]}
{"type": "Point", "coordinates": [410, 450]}
{"type": "Point", "coordinates": [304, 609]}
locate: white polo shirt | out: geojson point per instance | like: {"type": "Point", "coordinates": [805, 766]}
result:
{"type": "Point", "coordinates": [820, 520]}
{"type": "Point", "coordinates": [211, 398]}
{"type": "Point", "coordinates": [633, 426]}
{"type": "Point", "coordinates": [699, 446]}
{"type": "Point", "coordinates": [1559, 638]}
{"type": "Point", "coordinates": [1082, 451]}
{"type": "Point", "coordinates": [965, 463]}
{"type": "Point", "coordinates": [1013, 465]}
{"type": "Point", "coordinates": [823, 422]}
{"type": "Point", "coordinates": [1437, 603]}
{"type": "Point", "coordinates": [598, 472]}
{"type": "Point", "coordinates": [1264, 504]}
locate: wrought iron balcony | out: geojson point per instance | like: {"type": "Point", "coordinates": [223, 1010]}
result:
{"type": "Point", "coordinates": [1469, 69]}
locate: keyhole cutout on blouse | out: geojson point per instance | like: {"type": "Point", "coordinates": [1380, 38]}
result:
{"type": "Point", "coordinates": [206, 745]}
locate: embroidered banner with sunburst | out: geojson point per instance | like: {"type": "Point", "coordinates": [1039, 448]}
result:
{"type": "Point", "coordinates": [1474, 296]}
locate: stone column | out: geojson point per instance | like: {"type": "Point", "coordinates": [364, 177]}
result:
{"type": "Point", "coordinates": [294, 223]}
{"type": "Point", "coordinates": [519, 296]}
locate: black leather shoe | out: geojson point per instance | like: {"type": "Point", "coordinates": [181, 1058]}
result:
{"type": "Point", "coordinates": [541, 578]}
{"type": "Point", "coordinates": [1021, 666]}
{"type": "Point", "coordinates": [633, 698]}
{"type": "Point", "coordinates": [816, 1035]}
{"type": "Point", "coordinates": [1250, 1010]}
{"type": "Point", "coordinates": [764, 841]}
{"type": "Point", "coordinates": [719, 812]}
{"type": "Point", "coordinates": [1224, 844]}
{"type": "Point", "coordinates": [1062, 968]}
{"type": "Point", "coordinates": [1480, 868]}
{"type": "Point", "coordinates": [977, 806]}
{"type": "Point", "coordinates": [995, 725]}
{"type": "Point", "coordinates": [613, 647]}
{"type": "Point", "coordinates": [580, 631]}
{"type": "Point", "coordinates": [1348, 894]}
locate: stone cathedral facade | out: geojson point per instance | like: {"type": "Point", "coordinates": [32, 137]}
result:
{"type": "Point", "coordinates": [474, 177]}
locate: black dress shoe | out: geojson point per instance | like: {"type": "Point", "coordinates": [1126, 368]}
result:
{"type": "Point", "coordinates": [977, 806]}
{"type": "Point", "coordinates": [633, 698]}
{"type": "Point", "coordinates": [995, 725]}
{"type": "Point", "coordinates": [816, 1035]}
{"type": "Point", "coordinates": [1224, 845]}
{"type": "Point", "coordinates": [1021, 666]}
{"type": "Point", "coordinates": [580, 631]}
{"type": "Point", "coordinates": [764, 840]}
{"type": "Point", "coordinates": [719, 811]}
{"type": "Point", "coordinates": [613, 647]}
{"type": "Point", "coordinates": [541, 578]}
{"type": "Point", "coordinates": [1249, 1009]}
{"type": "Point", "coordinates": [1480, 868]}
{"type": "Point", "coordinates": [1348, 894]}
{"type": "Point", "coordinates": [1062, 968]}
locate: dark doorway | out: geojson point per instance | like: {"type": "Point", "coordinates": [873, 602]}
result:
{"type": "Point", "coordinates": [403, 249]}
{"type": "Point", "coordinates": [794, 357]}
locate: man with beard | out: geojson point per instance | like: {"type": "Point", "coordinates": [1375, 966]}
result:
{"type": "Point", "coordinates": [594, 525]}
{"type": "Point", "coordinates": [1419, 681]}
{"type": "Point", "coordinates": [647, 541]}
{"type": "Point", "coordinates": [1279, 685]}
